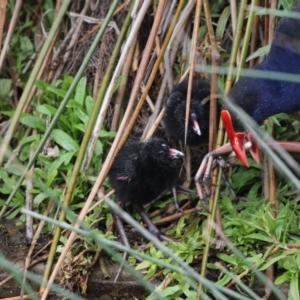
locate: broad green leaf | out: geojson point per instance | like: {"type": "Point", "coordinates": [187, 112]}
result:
{"type": "Point", "coordinates": [80, 91]}
{"type": "Point", "coordinates": [82, 116]}
{"type": "Point", "coordinates": [294, 287]}
{"type": "Point", "coordinates": [170, 291]}
{"type": "Point", "coordinates": [224, 280]}
{"type": "Point", "coordinates": [31, 138]}
{"type": "Point", "coordinates": [98, 148]}
{"type": "Point", "coordinates": [62, 159]}
{"type": "Point", "coordinates": [8, 113]}
{"type": "Point", "coordinates": [15, 169]}
{"type": "Point", "coordinates": [64, 140]}
{"type": "Point", "coordinates": [285, 277]}
{"type": "Point", "coordinates": [40, 198]}
{"type": "Point", "coordinates": [80, 127]}
{"type": "Point", "coordinates": [73, 104]}
{"type": "Point", "coordinates": [56, 91]}
{"type": "Point", "coordinates": [190, 294]}
{"type": "Point", "coordinates": [89, 103]}
{"type": "Point", "coordinates": [229, 259]}
{"type": "Point", "coordinates": [33, 122]}
{"type": "Point", "coordinates": [42, 85]}
{"type": "Point", "coordinates": [151, 271]}
{"type": "Point", "coordinates": [144, 265]}
{"type": "Point", "coordinates": [46, 109]}
{"type": "Point", "coordinates": [5, 177]}
{"type": "Point", "coordinates": [272, 261]}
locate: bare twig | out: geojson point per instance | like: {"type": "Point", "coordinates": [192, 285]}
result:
{"type": "Point", "coordinates": [11, 29]}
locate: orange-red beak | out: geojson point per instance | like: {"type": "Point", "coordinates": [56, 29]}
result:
{"type": "Point", "coordinates": [238, 140]}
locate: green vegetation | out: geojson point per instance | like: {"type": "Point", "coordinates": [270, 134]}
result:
{"type": "Point", "coordinates": [48, 122]}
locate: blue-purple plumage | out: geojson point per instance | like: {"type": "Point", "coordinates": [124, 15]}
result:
{"type": "Point", "coordinates": [263, 97]}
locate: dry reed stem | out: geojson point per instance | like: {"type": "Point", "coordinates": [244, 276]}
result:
{"type": "Point", "coordinates": [10, 31]}
{"type": "Point", "coordinates": [33, 244]}
{"type": "Point", "coordinates": [3, 5]}
{"type": "Point", "coordinates": [95, 188]}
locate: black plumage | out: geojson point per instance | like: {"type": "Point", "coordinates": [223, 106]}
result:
{"type": "Point", "coordinates": [174, 118]}
{"type": "Point", "coordinates": [142, 171]}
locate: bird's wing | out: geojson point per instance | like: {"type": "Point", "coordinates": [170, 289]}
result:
{"type": "Point", "coordinates": [129, 166]}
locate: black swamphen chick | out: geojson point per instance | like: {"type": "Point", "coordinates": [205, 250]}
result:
{"type": "Point", "coordinates": [142, 171]}
{"type": "Point", "coordinates": [261, 98]}
{"type": "Point", "coordinates": [174, 118]}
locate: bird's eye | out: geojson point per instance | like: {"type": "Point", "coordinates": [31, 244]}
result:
{"type": "Point", "coordinates": [162, 152]}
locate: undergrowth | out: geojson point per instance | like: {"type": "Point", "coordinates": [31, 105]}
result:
{"type": "Point", "coordinates": [265, 232]}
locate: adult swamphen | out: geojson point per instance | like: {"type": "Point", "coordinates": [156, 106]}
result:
{"type": "Point", "coordinates": [261, 98]}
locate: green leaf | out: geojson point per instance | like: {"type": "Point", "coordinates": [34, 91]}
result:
{"type": "Point", "coordinates": [40, 198]}
{"type": "Point", "coordinates": [120, 80]}
{"type": "Point", "coordinates": [143, 265]}
{"type": "Point", "coordinates": [222, 23]}
{"type": "Point", "coordinates": [261, 237]}
{"type": "Point", "coordinates": [294, 287]}
{"type": "Point", "coordinates": [89, 103]}
{"type": "Point", "coordinates": [64, 140]}
{"type": "Point", "coordinates": [58, 92]}
{"type": "Point", "coordinates": [98, 149]}
{"type": "Point", "coordinates": [62, 159]}
{"type": "Point", "coordinates": [170, 291]}
{"type": "Point", "coordinates": [104, 133]}
{"type": "Point", "coordinates": [51, 177]}
{"type": "Point", "coordinates": [272, 261]}
{"type": "Point", "coordinates": [4, 177]}
{"type": "Point", "coordinates": [31, 138]}
{"type": "Point", "coordinates": [5, 87]}
{"type": "Point", "coordinates": [259, 52]}
{"type": "Point", "coordinates": [229, 259]}
{"type": "Point", "coordinates": [33, 122]}
{"type": "Point", "coordinates": [285, 277]}
{"type": "Point", "coordinates": [42, 85]}
{"type": "Point", "coordinates": [82, 116]}
{"type": "Point", "coordinates": [46, 109]}
{"type": "Point", "coordinates": [15, 169]}
{"type": "Point", "coordinates": [26, 45]}
{"type": "Point", "coordinates": [80, 127]}
{"type": "Point", "coordinates": [80, 91]}
{"type": "Point", "coordinates": [224, 280]}
{"type": "Point", "coordinates": [14, 213]}
{"type": "Point", "coordinates": [188, 293]}
{"type": "Point", "coordinates": [8, 113]}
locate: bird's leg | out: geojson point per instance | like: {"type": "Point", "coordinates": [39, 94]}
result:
{"type": "Point", "coordinates": [122, 233]}
{"type": "Point", "coordinates": [123, 236]}
{"type": "Point", "coordinates": [151, 227]}
{"type": "Point", "coordinates": [203, 175]}
{"type": "Point", "coordinates": [180, 188]}
{"type": "Point", "coordinates": [174, 191]}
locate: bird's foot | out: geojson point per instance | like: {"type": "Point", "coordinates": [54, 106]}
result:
{"type": "Point", "coordinates": [153, 230]}
{"type": "Point", "coordinates": [203, 178]}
